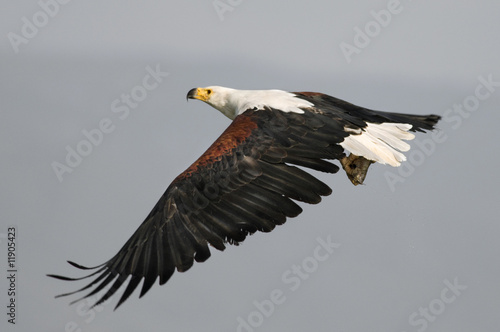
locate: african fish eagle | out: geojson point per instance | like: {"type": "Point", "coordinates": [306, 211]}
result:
{"type": "Point", "coordinates": [247, 180]}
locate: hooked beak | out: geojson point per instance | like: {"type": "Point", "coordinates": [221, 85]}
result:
{"type": "Point", "coordinates": [192, 94]}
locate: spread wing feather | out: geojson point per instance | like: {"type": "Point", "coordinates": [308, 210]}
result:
{"type": "Point", "coordinates": [242, 184]}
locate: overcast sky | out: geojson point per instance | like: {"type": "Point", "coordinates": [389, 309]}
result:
{"type": "Point", "coordinates": [414, 249]}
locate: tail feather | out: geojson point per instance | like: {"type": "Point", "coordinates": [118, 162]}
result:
{"type": "Point", "coordinates": [380, 142]}
{"type": "Point", "coordinates": [382, 139]}
{"type": "Point", "coordinates": [375, 135]}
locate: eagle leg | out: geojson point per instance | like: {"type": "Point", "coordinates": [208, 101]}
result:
{"type": "Point", "coordinates": [356, 168]}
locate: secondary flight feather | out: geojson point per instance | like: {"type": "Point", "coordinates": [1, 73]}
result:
{"type": "Point", "coordinates": [247, 180]}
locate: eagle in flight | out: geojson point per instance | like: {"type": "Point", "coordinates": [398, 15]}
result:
{"type": "Point", "coordinates": [248, 179]}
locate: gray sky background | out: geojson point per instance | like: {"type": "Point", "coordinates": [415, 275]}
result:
{"type": "Point", "coordinates": [405, 236]}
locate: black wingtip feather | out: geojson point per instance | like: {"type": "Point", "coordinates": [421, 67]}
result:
{"type": "Point", "coordinates": [81, 267]}
{"type": "Point", "coordinates": [149, 281]}
{"type": "Point", "coordinates": [132, 285]}
{"type": "Point", "coordinates": [116, 285]}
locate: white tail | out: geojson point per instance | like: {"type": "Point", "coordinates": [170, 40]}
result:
{"type": "Point", "coordinates": [380, 142]}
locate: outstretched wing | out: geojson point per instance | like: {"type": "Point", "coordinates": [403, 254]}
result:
{"type": "Point", "coordinates": [245, 182]}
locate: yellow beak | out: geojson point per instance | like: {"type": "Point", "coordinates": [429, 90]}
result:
{"type": "Point", "coordinates": [198, 93]}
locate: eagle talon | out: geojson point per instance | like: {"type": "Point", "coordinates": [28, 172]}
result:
{"type": "Point", "coordinates": [356, 168]}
